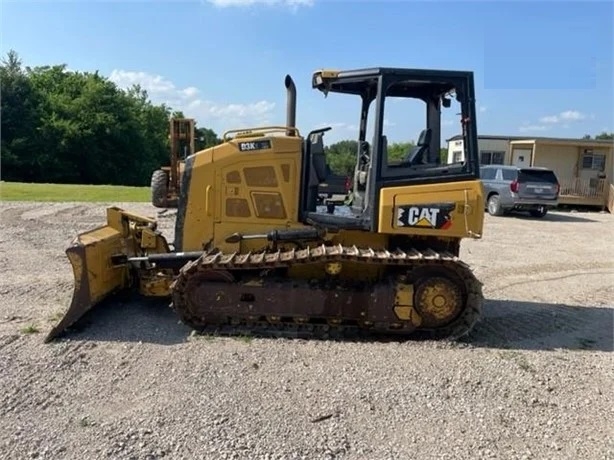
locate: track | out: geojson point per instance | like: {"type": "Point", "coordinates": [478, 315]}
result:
{"type": "Point", "coordinates": [229, 294]}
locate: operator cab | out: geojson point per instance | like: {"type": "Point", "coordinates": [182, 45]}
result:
{"type": "Point", "coordinates": [376, 167]}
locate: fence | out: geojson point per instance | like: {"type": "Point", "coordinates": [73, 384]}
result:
{"type": "Point", "coordinates": [586, 188]}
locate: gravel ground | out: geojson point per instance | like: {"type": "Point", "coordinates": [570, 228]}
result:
{"type": "Point", "coordinates": [534, 380]}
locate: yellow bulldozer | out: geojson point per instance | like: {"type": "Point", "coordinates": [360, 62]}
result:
{"type": "Point", "coordinates": [252, 253]}
{"type": "Point", "coordinates": [166, 181]}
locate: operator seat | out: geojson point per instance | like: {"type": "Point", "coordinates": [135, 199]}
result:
{"type": "Point", "coordinates": [316, 170]}
{"type": "Point", "coordinates": [318, 174]}
{"type": "Point", "coordinates": [318, 157]}
{"type": "Point", "coordinates": [419, 153]}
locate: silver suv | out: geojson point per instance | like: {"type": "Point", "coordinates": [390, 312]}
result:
{"type": "Point", "coordinates": [512, 188]}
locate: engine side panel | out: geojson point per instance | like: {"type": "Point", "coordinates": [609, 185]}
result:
{"type": "Point", "coordinates": [247, 185]}
{"type": "Point", "coordinates": [452, 209]}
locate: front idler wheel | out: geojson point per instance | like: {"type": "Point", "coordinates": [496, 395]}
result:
{"type": "Point", "coordinates": [198, 295]}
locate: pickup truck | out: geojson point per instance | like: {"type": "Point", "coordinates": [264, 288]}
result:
{"type": "Point", "coordinates": [334, 184]}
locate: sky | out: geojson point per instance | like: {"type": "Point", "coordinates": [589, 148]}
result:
{"type": "Point", "coordinates": [541, 68]}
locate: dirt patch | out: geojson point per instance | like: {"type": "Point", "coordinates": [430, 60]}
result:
{"type": "Point", "coordinates": [532, 381]}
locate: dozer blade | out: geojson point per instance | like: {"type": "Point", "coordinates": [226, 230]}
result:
{"type": "Point", "coordinates": [95, 275]}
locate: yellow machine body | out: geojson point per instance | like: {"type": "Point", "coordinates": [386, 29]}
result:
{"type": "Point", "coordinates": [249, 249]}
{"type": "Point", "coordinates": [232, 191]}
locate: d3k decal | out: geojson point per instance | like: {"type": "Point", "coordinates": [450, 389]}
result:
{"type": "Point", "coordinates": [435, 216]}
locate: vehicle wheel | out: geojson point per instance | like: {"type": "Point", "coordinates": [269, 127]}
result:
{"type": "Point", "coordinates": [494, 206]}
{"type": "Point", "coordinates": [159, 188]}
{"type": "Point", "coordinates": [539, 212]}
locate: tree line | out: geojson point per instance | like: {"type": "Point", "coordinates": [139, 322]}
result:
{"type": "Point", "coordinates": [341, 156]}
{"type": "Point", "coordinates": [64, 126]}
{"type": "Point", "coordinates": [603, 136]}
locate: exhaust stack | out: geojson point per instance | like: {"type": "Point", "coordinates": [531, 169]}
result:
{"type": "Point", "coordinates": [291, 103]}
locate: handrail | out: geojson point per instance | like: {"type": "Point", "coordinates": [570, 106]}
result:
{"type": "Point", "coordinates": [582, 187]}
{"type": "Point", "coordinates": [259, 131]}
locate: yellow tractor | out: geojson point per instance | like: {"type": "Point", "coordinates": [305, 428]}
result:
{"type": "Point", "coordinates": [166, 181]}
{"type": "Point", "coordinates": [253, 253]}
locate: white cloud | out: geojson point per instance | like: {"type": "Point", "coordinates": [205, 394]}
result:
{"type": "Point", "coordinates": [549, 119]}
{"type": "Point", "coordinates": [389, 123]}
{"type": "Point", "coordinates": [190, 91]}
{"type": "Point", "coordinates": [293, 4]}
{"type": "Point", "coordinates": [216, 115]}
{"type": "Point", "coordinates": [483, 108]}
{"type": "Point", "coordinates": [572, 115]}
{"type": "Point", "coordinates": [339, 125]}
{"type": "Point", "coordinates": [567, 115]}
{"type": "Point", "coordinates": [529, 128]}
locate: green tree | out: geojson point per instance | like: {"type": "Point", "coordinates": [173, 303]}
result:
{"type": "Point", "coordinates": [19, 120]}
{"type": "Point", "coordinates": [151, 128]}
{"type": "Point", "coordinates": [205, 138]}
{"type": "Point", "coordinates": [443, 156]}
{"type": "Point", "coordinates": [341, 156]}
{"type": "Point", "coordinates": [79, 127]}
{"type": "Point", "coordinates": [604, 135]}
{"type": "Point", "coordinates": [398, 150]}
{"type": "Point", "coordinates": [91, 129]}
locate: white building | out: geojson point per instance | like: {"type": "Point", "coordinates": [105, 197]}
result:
{"type": "Point", "coordinates": [584, 167]}
{"type": "Point", "coordinates": [493, 149]}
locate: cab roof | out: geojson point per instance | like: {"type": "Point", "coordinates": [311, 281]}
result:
{"type": "Point", "coordinates": [406, 82]}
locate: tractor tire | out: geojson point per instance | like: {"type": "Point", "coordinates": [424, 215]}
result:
{"type": "Point", "coordinates": [159, 188]}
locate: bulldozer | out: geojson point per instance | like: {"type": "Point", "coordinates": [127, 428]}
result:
{"type": "Point", "coordinates": [166, 181]}
{"type": "Point", "coordinates": [253, 254]}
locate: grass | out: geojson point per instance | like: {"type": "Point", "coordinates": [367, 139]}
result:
{"type": "Point", "coordinates": [244, 338]}
{"type": "Point", "coordinates": [30, 329]}
{"type": "Point", "coordinates": [55, 317]}
{"type": "Point", "coordinates": [19, 191]}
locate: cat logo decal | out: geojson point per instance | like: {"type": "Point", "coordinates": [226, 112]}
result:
{"type": "Point", "coordinates": [435, 216]}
